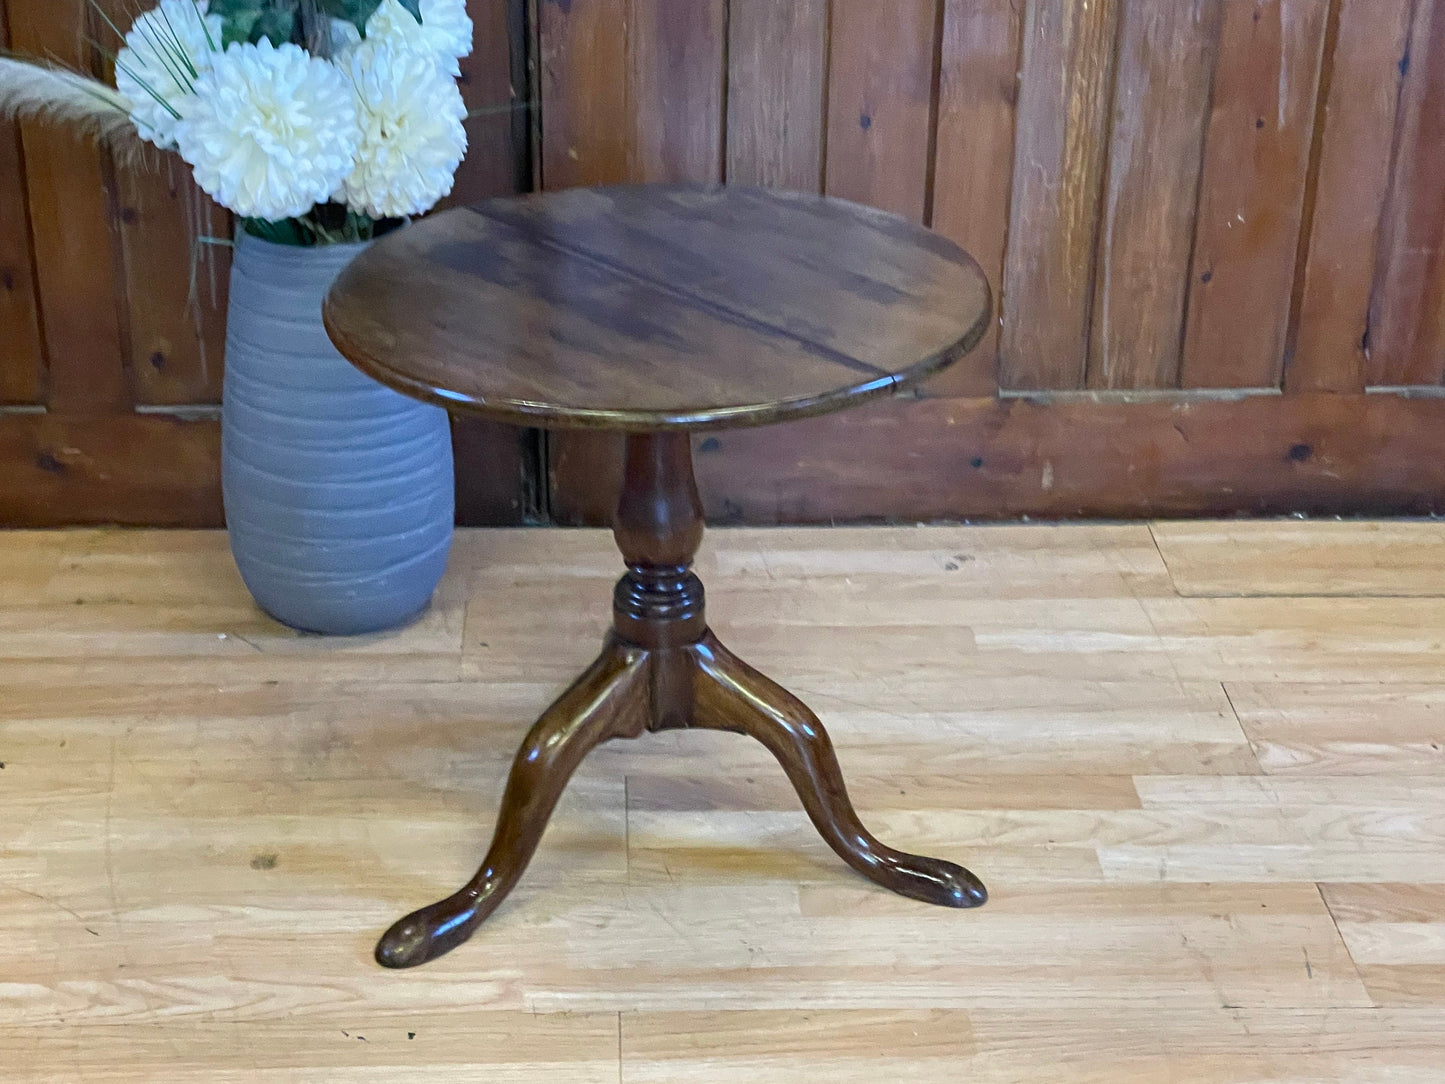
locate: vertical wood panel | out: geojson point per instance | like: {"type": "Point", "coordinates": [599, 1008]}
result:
{"type": "Point", "coordinates": [667, 126]}
{"type": "Point", "coordinates": [632, 90]}
{"type": "Point", "coordinates": [1141, 277]}
{"type": "Point", "coordinates": [1059, 158]}
{"type": "Point", "coordinates": [1256, 164]}
{"type": "Point", "coordinates": [70, 193]}
{"type": "Point", "coordinates": [497, 471]}
{"type": "Point", "coordinates": [21, 359]}
{"type": "Point", "coordinates": [496, 464]}
{"type": "Point", "coordinates": [676, 64]}
{"type": "Point", "coordinates": [1407, 325]}
{"type": "Point", "coordinates": [584, 475]}
{"type": "Point", "coordinates": [1356, 139]}
{"type": "Point", "coordinates": [973, 172]}
{"type": "Point", "coordinates": [496, 96]}
{"type": "Point", "coordinates": [880, 103]}
{"type": "Point", "coordinates": [586, 124]}
{"type": "Point", "coordinates": [777, 67]}
{"type": "Point", "coordinates": [176, 340]}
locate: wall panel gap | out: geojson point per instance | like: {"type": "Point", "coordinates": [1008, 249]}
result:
{"type": "Point", "coordinates": [1101, 191]}
{"type": "Point", "coordinates": [726, 77]}
{"type": "Point", "coordinates": [930, 178]}
{"type": "Point", "coordinates": [1312, 185]}
{"type": "Point", "coordinates": [826, 103]}
{"type": "Point", "coordinates": [1191, 269]}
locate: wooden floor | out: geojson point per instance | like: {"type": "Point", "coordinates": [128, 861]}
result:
{"type": "Point", "coordinates": [1201, 767]}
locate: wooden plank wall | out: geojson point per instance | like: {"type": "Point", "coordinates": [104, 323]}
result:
{"type": "Point", "coordinates": [112, 320]}
{"type": "Point", "coordinates": [1407, 328]}
{"type": "Point", "coordinates": [1182, 204]}
{"type": "Point", "coordinates": [21, 367]}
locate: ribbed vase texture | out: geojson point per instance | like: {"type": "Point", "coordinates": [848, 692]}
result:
{"type": "Point", "coordinates": [338, 490]}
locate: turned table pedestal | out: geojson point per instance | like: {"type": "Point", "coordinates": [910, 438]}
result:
{"type": "Point", "coordinates": [656, 311]}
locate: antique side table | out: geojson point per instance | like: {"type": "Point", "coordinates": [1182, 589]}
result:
{"type": "Point", "coordinates": [657, 311]}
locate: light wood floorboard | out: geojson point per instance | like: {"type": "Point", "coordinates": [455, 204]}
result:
{"type": "Point", "coordinates": [1200, 765]}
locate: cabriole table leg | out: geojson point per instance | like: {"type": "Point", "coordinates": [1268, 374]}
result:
{"type": "Point", "coordinates": [731, 695]}
{"type": "Point", "coordinates": [608, 701]}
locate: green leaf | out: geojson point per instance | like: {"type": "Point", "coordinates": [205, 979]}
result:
{"type": "Point", "coordinates": [277, 24]}
{"type": "Point", "coordinates": [239, 18]}
{"type": "Point", "coordinates": [239, 29]}
{"type": "Point", "coordinates": [287, 231]}
{"type": "Point", "coordinates": [252, 20]}
{"type": "Point", "coordinates": [357, 12]}
{"type": "Point", "coordinates": [227, 8]}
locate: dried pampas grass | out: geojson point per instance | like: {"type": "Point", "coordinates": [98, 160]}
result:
{"type": "Point", "coordinates": [55, 95]}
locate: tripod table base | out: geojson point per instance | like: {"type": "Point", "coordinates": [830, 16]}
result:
{"type": "Point", "coordinates": [627, 692]}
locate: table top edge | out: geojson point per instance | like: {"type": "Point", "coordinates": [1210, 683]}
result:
{"type": "Point", "coordinates": [740, 416]}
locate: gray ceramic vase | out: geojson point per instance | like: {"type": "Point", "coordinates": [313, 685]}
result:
{"type": "Point", "coordinates": [338, 490]}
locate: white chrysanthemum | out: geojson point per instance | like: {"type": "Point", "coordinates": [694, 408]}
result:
{"type": "Point", "coordinates": [412, 139]}
{"type": "Point", "coordinates": [271, 131]}
{"type": "Point", "coordinates": [344, 37]}
{"type": "Point", "coordinates": [166, 50]}
{"type": "Point", "coordinates": [445, 29]}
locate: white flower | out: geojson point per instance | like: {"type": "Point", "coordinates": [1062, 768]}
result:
{"type": "Point", "coordinates": [344, 36]}
{"type": "Point", "coordinates": [412, 139]}
{"type": "Point", "coordinates": [167, 49]}
{"type": "Point", "coordinates": [445, 29]}
{"type": "Point", "coordinates": [270, 131]}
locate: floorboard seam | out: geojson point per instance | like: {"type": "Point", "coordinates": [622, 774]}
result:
{"type": "Point", "coordinates": [1168, 572]}
{"type": "Point", "coordinates": [1254, 752]}
{"type": "Point", "coordinates": [1355, 964]}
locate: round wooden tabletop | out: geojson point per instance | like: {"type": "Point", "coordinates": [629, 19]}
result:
{"type": "Point", "coordinates": [657, 307]}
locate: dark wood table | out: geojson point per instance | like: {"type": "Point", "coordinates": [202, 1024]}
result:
{"type": "Point", "coordinates": [656, 311]}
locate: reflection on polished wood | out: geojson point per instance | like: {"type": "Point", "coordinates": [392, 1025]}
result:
{"type": "Point", "coordinates": [608, 701]}
{"type": "Point", "coordinates": [658, 306]}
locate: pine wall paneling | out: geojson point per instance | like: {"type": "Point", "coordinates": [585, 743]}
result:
{"type": "Point", "coordinates": [22, 364]}
{"type": "Point", "coordinates": [1213, 227]}
{"type": "Point", "coordinates": [112, 327]}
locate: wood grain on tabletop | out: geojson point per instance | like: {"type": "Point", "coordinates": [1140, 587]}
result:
{"type": "Point", "coordinates": [1218, 863]}
{"type": "Point", "coordinates": [669, 306]}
